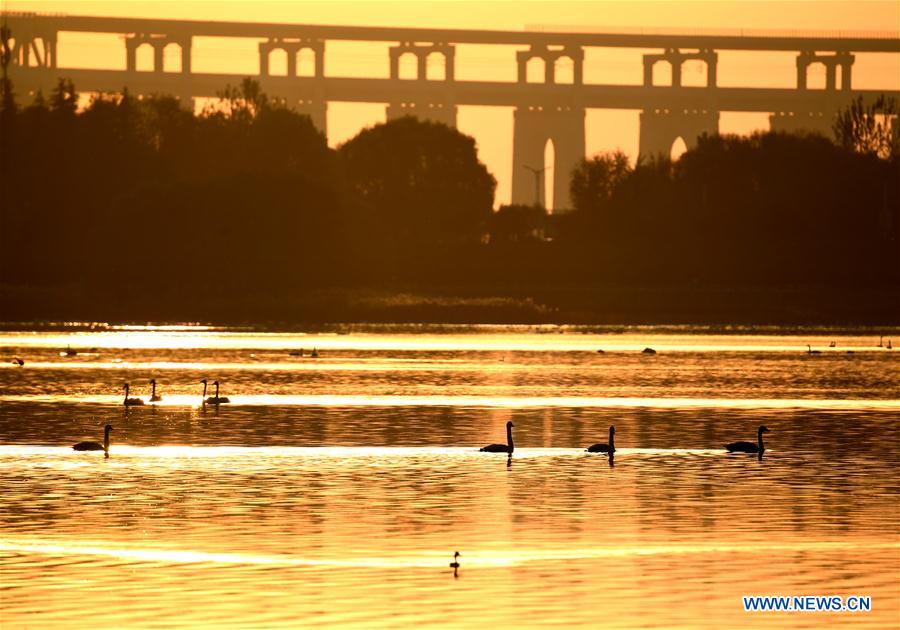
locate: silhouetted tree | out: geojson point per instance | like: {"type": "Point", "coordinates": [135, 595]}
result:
{"type": "Point", "coordinates": [872, 128]}
{"type": "Point", "coordinates": [594, 180]}
{"type": "Point", "coordinates": [419, 180]}
{"type": "Point", "coordinates": [517, 223]}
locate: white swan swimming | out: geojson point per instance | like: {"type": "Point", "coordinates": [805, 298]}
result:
{"type": "Point", "coordinates": [153, 396]}
{"type": "Point", "coordinates": [131, 402]}
{"type": "Point", "coordinates": [749, 447]}
{"type": "Point", "coordinates": [605, 448]}
{"type": "Point", "coordinates": [501, 448]}
{"type": "Point", "coordinates": [214, 400]}
{"type": "Point", "coordinates": [96, 446]}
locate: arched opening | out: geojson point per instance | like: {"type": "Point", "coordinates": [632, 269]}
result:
{"type": "Point", "coordinates": [815, 76]}
{"type": "Point", "coordinates": [143, 58]}
{"type": "Point", "coordinates": [278, 62]}
{"type": "Point", "coordinates": [679, 148]}
{"type": "Point", "coordinates": [436, 67]}
{"type": "Point", "coordinates": [564, 71]}
{"type": "Point", "coordinates": [694, 73]}
{"type": "Point", "coordinates": [549, 171]}
{"type": "Point", "coordinates": [534, 70]}
{"type": "Point", "coordinates": [408, 66]}
{"type": "Point", "coordinates": [172, 58]}
{"type": "Point", "coordinates": [662, 73]}
{"type": "Point", "coordinates": [306, 62]}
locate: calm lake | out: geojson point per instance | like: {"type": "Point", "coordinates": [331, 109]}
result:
{"type": "Point", "coordinates": [334, 490]}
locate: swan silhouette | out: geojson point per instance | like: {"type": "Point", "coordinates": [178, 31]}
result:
{"type": "Point", "coordinates": [131, 402]}
{"type": "Point", "coordinates": [501, 448]}
{"type": "Point", "coordinates": [605, 448]}
{"type": "Point", "coordinates": [455, 563]}
{"type": "Point", "coordinates": [809, 350]}
{"type": "Point", "coordinates": [214, 400]}
{"type": "Point", "coordinates": [96, 446]}
{"type": "Point", "coordinates": [749, 447]}
{"type": "Point", "coordinates": [18, 361]}
{"type": "Point", "coordinates": [153, 396]}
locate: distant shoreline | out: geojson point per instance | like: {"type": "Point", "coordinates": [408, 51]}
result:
{"type": "Point", "coordinates": [716, 307]}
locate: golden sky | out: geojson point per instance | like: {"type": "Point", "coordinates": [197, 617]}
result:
{"type": "Point", "coordinates": [492, 127]}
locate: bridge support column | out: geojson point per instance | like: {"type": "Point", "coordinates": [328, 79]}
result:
{"type": "Point", "coordinates": [414, 102]}
{"type": "Point", "coordinates": [676, 58]}
{"type": "Point", "coordinates": [42, 47]}
{"type": "Point", "coordinates": [533, 127]}
{"type": "Point", "coordinates": [292, 48]}
{"type": "Point", "coordinates": [550, 57]}
{"type": "Point", "coordinates": [831, 62]}
{"type": "Point", "coordinates": [661, 128]}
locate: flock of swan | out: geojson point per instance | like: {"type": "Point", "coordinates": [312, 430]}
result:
{"type": "Point", "coordinates": [607, 448]}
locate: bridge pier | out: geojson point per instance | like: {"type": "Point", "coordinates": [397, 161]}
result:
{"type": "Point", "coordinates": [841, 60]}
{"type": "Point", "coordinates": [676, 58]}
{"type": "Point", "coordinates": [159, 43]}
{"type": "Point", "coordinates": [42, 46]}
{"type": "Point", "coordinates": [660, 129]}
{"type": "Point", "coordinates": [292, 47]}
{"type": "Point", "coordinates": [440, 110]}
{"type": "Point", "coordinates": [533, 127]}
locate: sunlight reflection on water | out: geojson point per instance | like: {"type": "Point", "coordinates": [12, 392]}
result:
{"type": "Point", "coordinates": [335, 492]}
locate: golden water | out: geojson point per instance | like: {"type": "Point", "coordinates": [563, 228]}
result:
{"type": "Point", "coordinates": [335, 490]}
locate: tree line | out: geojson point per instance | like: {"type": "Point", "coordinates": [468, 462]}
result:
{"type": "Point", "coordinates": [128, 196]}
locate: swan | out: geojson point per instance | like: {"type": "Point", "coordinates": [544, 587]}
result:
{"type": "Point", "coordinates": [214, 400]}
{"type": "Point", "coordinates": [153, 396]}
{"type": "Point", "coordinates": [315, 354]}
{"type": "Point", "coordinates": [605, 448]}
{"type": "Point", "coordinates": [96, 446]}
{"type": "Point", "coordinates": [881, 342]}
{"type": "Point", "coordinates": [749, 447]}
{"type": "Point", "coordinates": [809, 350]}
{"type": "Point", "coordinates": [69, 352]}
{"type": "Point", "coordinates": [501, 448]}
{"type": "Point", "coordinates": [18, 361]}
{"type": "Point", "coordinates": [131, 402]}
{"type": "Point", "coordinates": [889, 346]}
{"type": "Point", "coordinates": [648, 351]}
{"type": "Point", "coordinates": [455, 563]}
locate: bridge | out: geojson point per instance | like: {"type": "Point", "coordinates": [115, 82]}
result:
{"type": "Point", "coordinates": [552, 109]}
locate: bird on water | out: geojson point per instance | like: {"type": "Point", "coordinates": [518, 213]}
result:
{"type": "Point", "coordinates": [455, 563]}
{"type": "Point", "coordinates": [18, 361]}
{"type": "Point", "coordinates": [153, 395]}
{"type": "Point", "coordinates": [749, 447]}
{"type": "Point", "coordinates": [501, 448]}
{"type": "Point", "coordinates": [131, 402]}
{"type": "Point", "coordinates": [809, 350]}
{"type": "Point", "coordinates": [648, 350]}
{"type": "Point", "coordinates": [214, 400]}
{"type": "Point", "coordinates": [96, 446]}
{"type": "Point", "coordinates": [605, 448]}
